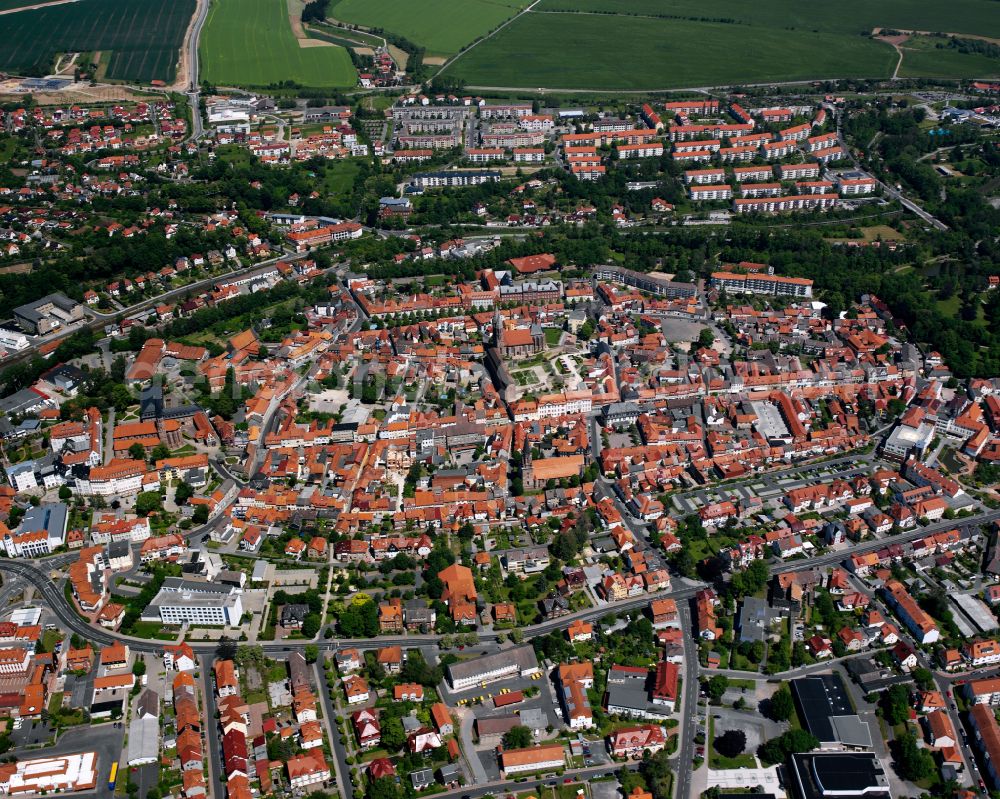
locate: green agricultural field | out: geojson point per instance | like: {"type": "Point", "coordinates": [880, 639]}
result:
{"type": "Point", "coordinates": [583, 51]}
{"type": "Point", "coordinates": [250, 43]}
{"type": "Point", "coordinates": [442, 27]}
{"type": "Point", "coordinates": [6, 5]}
{"type": "Point", "coordinates": [930, 57]}
{"type": "Point", "coordinates": [143, 35]}
{"type": "Point", "coordinates": [980, 17]}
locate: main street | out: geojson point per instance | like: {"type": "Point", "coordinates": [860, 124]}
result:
{"type": "Point", "coordinates": [98, 320]}
{"type": "Point", "coordinates": [35, 573]}
{"type": "Point", "coordinates": [194, 88]}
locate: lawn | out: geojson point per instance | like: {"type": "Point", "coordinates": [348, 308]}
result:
{"type": "Point", "coordinates": [442, 27]}
{"type": "Point", "coordinates": [250, 43]}
{"type": "Point", "coordinates": [930, 57]}
{"type": "Point", "coordinates": [596, 52]}
{"type": "Point", "coordinates": [717, 761]}
{"type": "Point", "coordinates": [339, 176]}
{"type": "Point", "coordinates": [144, 36]}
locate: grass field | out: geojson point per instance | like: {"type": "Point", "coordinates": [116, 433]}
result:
{"type": "Point", "coordinates": [847, 16]}
{"type": "Point", "coordinates": [339, 176]}
{"type": "Point", "coordinates": [250, 43]}
{"type": "Point", "coordinates": [929, 57]}
{"type": "Point", "coordinates": [578, 51]}
{"type": "Point", "coordinates": [442, 27]}
{"type": "Point", "coordinates": [144, 35]}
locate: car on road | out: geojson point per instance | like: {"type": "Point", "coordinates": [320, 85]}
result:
{"type": "Point", "coordinates": [568, 781]}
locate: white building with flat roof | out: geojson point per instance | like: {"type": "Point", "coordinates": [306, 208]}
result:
{"type": "Point", "coordinates": [194, 602]}
{"type": "Point", "coordinates": [77, 772]}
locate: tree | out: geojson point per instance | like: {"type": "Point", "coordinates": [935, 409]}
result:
{"type": "Point", "coordinates": [393, 735]}
{"type": "Point", "coordinates": [160, 452]}
{"type": "Point", "coordinates": [750, 580]}
{"type": "Point", "coordinates": [183, 493]}
{"type": "Point", "coordinates": [518, 737]}
{"type": "Point", "coordinates": [912, 762]}
{"type": "Point", "coordinates": [781, 706]}
{"type": "Point", "coordinates": [359, 620]}
{"type": "Point", "coordinates": [706, 338]}
{"type": "Point", "coordinates": [311, 624]}
{"type": "Point", "coordinates": [200, 514]}
{"type": "Point", "coordinates": [896, 704]}
{"type": "Point", "coordinates": [923, 678]}
{"type": "Point", "coordinates": [658, 773]}
{"type": "Point", "coordinates": [226, 649]}
{"type": "Point", "coordinates": [384, 788]}
{"type": "Point", "coordinates": [137, 452]}
{"type": "Point", "coordinates": [139, 667]}
{"type": "Point", "coordinates": [778, 749]}
{"type": "Point", "coordinates": [716, 687]}
{"type": "Point", "coordinates": [731, 743]}
{"type": "Point", "coordinates": [311, 653]}
{"type": "Point", "coordinates": [147, 502]}
{"type": "Point", "coordinates": [65, 493]}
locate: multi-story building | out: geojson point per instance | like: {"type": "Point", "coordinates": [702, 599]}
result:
{"type": "Point", "coordinates": [455, 178]}
{"type": "Point", "coordinates": [14, 661]}
{"type": "Point", "coordinates": [519, 661]}
{"type": "Point", "coordinates": [719, 191]}
{"type": "Point", "coordinates": [180, 601]}
{"type": "Point", "coordinates": [916, 619]}
{"type": "Point", "coordinates": [756, 283]}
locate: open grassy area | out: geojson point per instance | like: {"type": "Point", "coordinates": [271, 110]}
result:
{"type": "Point", "coordinates": [598, 52]}
{"type": "Point", "coordinates": [931, 57]}
{"type": "Point", "coordinates": [142, 38]}
{"type": "Point", "coordinates": [250, 43]}
{"type": "Point", "coordinates": [443, 27]}
{"type": "Point", "coordinates": [717, 761]}
{"type": "Point", "coordinates": [340, 175]}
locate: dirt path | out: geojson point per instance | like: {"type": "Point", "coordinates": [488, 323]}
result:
{"type": "Point", "coordinates": [896, 42]}
{"type": "Point", "coordinates": [905, 34]}
{"type": "Point", "coordinates": [497, 30]}
{"type": "Point", "coordinates": [63, 68]}
{"type": "Point", "coordinates": [36, 5]}
{"type": "Point", "coordinates": [295, 20]}
{"type": "Point", "coordinates": [183, 77]}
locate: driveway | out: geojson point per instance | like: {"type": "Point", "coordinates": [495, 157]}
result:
{"type": "Point", "coordinates": [467, 719]}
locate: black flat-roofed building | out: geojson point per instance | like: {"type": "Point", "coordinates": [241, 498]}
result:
{"type": "Point", "coordinates": [826, 712]}
{"type": "Point", "coordinates": [844, 775]}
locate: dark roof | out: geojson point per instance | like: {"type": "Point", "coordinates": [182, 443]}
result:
{"type": "Point", "coordinates": [848, 775]}
{"type": "Point", "coordinates": [819, 698]}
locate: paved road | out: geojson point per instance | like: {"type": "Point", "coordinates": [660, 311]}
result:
{"type": "Point", "coordinates": [37, 575]}
{"type": "Point", "coordinates": [210, 724]}
{"type": "Point", "coordinates": [194, 90]}
{"type": "Point", "coordinates": [689, 716]}
{"type": "Point", "coordinates": [99, 320]}
{"type": "Point", "coordinates": [891, 191]}
{"type": "Point", "coordinates": [330, 715]}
